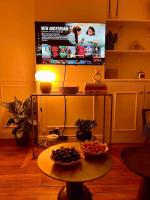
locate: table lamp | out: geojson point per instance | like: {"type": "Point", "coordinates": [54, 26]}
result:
{"type": "Point", "coordinates": [45, 77]}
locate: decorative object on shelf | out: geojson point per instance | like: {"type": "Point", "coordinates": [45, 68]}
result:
{"type": "Point", "coordinates": [111, 39]}
{"type": "Point", "coordinates": [84, 129]}
{"type": "Point", "coordinates": [136, 45]}
{"type": "Point", "coordinates": [97, 76]}
{"type": "Point", "coordinates": [68, 89]}
{"type": "Point", "coordinates": [45, 77]}
{"type": "Point", "coordinates": [21, 117]}
{"type": "Point", "coordinates": [141, 74]}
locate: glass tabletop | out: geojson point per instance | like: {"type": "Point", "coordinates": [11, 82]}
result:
{"type": "Point", "coordinates": [77, 94]}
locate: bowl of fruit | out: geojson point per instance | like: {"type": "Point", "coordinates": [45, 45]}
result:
{"type": "Point", "coordinates": [94, 148]}
{"type": "Point", "coordinates": [66, 156]}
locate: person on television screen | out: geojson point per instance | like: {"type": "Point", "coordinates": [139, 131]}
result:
{"type": "Point", "coordinates": [77, 32]}
{"type": "Point", "coordinates": [73, 34]}
{"type": "Point", "coordinates": [90, 36]}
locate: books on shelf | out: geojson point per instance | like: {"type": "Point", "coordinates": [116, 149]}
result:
{"type": "Point", "coordinates": [95, 88]}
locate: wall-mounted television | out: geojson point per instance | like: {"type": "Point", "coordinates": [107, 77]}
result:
{"type": "Point", "coordinates": [70, 43]}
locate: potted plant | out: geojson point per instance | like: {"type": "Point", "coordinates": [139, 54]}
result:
{"type": "Point", "coordinates": [84, 129]}
{"type": "Point", "coordinates": [21, 117]}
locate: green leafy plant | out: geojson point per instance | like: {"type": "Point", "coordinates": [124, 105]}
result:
{"type": "Point", "coordinates": [85, 124]}
{"type": "Point", "coordinates": [21, 115]}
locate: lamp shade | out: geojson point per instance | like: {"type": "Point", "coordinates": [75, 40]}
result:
{"type": "Point", "coordinates": [45, 76]}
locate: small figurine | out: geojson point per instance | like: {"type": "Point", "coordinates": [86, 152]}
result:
{"type": "Point", "coordinates": [136, 45]}
{"type": "Point", "coordinates": [97, 76]}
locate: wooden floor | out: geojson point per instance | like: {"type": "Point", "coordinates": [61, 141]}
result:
{"type": "Point", "coordinates": [21, 179]}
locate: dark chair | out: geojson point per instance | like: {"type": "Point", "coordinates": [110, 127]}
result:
{"type": "Point", "coordinates": [146, 123]}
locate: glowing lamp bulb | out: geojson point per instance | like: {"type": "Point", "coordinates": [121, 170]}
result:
{"type": "Point", "coordinates": [45, 76]}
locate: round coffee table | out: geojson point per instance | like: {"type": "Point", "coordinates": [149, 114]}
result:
{"type": "Point", "coordinates": [137, 159]}
{"type": "Point", "coordinates": [74, 176]}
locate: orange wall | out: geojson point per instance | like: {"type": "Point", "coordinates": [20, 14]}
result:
{"type": "Point", "coordinates": [17, 61]}
{"type": "Point", "coordinates": [71, 11]}
{"type": "Point", "coordinates": [90, 11]}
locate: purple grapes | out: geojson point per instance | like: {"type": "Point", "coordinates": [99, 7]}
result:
{"type": "Point", "coordinates": [65, 154]}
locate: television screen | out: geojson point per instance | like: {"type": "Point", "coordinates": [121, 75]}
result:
{"type": "Point", "coordinates": [70, 43]}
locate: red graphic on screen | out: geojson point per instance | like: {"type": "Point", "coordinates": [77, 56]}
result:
{"type": "Point", "coordinates": [80, 51]}
{"type": "Point", "coordinates": [54, 52]}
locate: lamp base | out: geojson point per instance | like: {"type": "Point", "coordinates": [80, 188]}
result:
{"type": "Point", "coordinates": [45, 87]}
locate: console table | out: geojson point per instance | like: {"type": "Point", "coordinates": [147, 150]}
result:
{"type": "Point", "coordinates": [105, 96]}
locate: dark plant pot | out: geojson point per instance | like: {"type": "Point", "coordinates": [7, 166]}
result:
{"type": "Point", "coordinates": [83, 135]}
{"type": "Point", "coordinates": [22, 141]}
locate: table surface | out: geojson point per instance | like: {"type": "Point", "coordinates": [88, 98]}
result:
{"type": "Point", "coordinates": [88, 169]}
{"type": "Point", "coordinates": [137, 159]}
{"type": "Point", "coordinates": [77, 94]}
